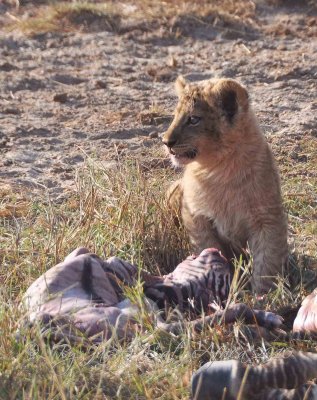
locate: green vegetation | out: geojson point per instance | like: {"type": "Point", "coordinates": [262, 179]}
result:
{"type": "Point", "coordinates": [118, 210]}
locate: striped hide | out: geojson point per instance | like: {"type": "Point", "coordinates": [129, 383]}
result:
{"type": "Point", "coordinates": [84, 297]}
{"type": "Point", "coordinates": [195, 283]}
{"type": "Point", "coordinates": [282, 378]}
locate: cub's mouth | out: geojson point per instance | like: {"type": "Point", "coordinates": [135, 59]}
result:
{"type": "Point", "coordinates": [189, 154]}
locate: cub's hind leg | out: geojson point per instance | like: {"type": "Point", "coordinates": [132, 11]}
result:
{"type": "Point", "coordinates": [268, 246]}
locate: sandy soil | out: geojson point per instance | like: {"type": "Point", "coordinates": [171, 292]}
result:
{"type": "Point", "coordinates": [67, 95]}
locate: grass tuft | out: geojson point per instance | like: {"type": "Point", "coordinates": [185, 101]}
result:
{"type": "Point", "coordinates": [69, 17]}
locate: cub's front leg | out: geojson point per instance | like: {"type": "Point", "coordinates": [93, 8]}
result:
{"type": "Point", "coordinates": [201, 230]}
{"type": "Point", "coordinates": [203, 234]}
{"type": "Point", "coordinates": [268, 247]}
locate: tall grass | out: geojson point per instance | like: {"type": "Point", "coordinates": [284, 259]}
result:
{"type": "Point", "coordinates": [117, 210]}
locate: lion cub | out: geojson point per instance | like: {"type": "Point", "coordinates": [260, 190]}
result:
{"type": "Point", "coordinates": [229, 196]}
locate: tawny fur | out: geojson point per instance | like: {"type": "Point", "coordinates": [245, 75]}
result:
{"type": "Point", "coordinates": [229, 195]}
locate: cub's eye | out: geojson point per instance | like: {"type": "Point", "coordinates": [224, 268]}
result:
{"type": "Point", "coordinates": [193, 120]}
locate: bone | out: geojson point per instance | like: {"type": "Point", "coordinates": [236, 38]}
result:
{"type": "Point", "coordinates": [283, 378]}
{"type": "Point", "coordinates": [306, 319]}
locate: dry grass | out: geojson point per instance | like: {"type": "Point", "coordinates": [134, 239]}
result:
{"type": "Point", "coordinates": [69, 17]}
{"type": "Point", "coordinates": [107, 15]}
{"type": "Point", "coordinates": [228, 8]}
{"type": "Point", "coordinates": [300, 196]}
{"type": "Point", "coordinates": [115, 211]}
{"type": "Point", "coordinates": [118, 210]}
{"type": "Point", "coordinates": [241, 18]}
{"type": "Point", "coordinates": [291, 3]}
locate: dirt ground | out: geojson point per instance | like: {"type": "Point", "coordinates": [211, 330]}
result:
{"type": "Point", "coordinates": [102, 93]}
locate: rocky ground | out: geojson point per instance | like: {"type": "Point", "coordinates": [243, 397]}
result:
{"type": "Point", "coordinates": [105, 91]}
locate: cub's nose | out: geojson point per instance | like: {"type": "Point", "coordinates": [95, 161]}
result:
{"type": "Point", "coordinates": [169, 142]}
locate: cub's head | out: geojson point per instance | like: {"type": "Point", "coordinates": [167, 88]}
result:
{"type": "Point", "coordinates": [207, 119]}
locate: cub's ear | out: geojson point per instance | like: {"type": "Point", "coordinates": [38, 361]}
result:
{"type": "Point", "coordinates": [180, 85]}
{"type": "Point", "coordinates": [231, 97]}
